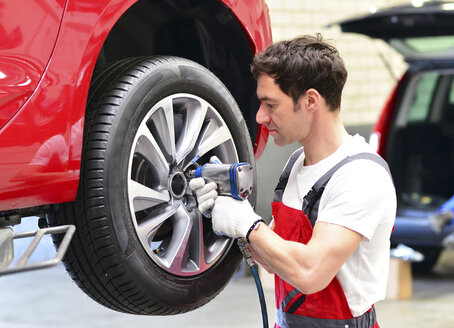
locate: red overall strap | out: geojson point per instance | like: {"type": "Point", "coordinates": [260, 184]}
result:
{"type": "Point", "coordinates": [326, 308]}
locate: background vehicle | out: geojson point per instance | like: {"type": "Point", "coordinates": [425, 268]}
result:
{"type": "Point", "coordinates": [103, 107]}
{"type": "Point", "coordinates": [415, 130]}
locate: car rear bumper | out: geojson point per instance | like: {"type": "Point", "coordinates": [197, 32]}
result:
{"type": "Point", "coordinates": [417, 231]}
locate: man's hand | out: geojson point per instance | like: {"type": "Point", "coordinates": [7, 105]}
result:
{"type": "Point", "coordinates": [206, 193]}
{"type": "Point", "coordinates": [233, 218]}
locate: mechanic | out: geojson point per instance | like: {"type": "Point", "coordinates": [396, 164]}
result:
{"type": "Point", "coordinates": [331, 259]}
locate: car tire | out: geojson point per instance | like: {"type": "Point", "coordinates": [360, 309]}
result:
{"type": "Point", "coordinates": [141, 246]}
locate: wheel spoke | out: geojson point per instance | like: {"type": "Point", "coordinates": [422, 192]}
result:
{"type": "Point", "coordinates": [195, 115]}
{"type": "Point", "coordinates": [177, 253]}
{"type": "Point", "coordinates": [147, 147]}
{"type": "Point", "coordinates": [164, 124]}
{"type": "Point", "coordinates": [214, 252]}
{"type": "Point", "coordinates": [211, 137]}
{"type": "Point", "coordinates": [144, 197]}
{"type": "Point", "coordinates": [196, 242]}
{"type": "Point", "coordinates": [198, 250]}
{"type": "Point", "coordinates": [149, 226]}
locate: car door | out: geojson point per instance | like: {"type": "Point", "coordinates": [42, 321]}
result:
{"type": "Point", "coordinates": [28, 30]}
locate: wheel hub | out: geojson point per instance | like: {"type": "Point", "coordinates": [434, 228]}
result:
{"type": "Point", "coordinates": [178, 184]}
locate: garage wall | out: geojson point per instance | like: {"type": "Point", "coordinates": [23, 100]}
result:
{"type": "Point", "coordinates": [370, 81]}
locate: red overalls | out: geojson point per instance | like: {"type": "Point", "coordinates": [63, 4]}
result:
{"type": "Point", "coordinates": [327, 308]}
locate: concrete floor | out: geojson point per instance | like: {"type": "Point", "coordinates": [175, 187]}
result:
{"type": "Point", "coordinates": [48, 298]}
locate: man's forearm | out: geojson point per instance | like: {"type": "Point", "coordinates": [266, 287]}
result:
{"type": "Point", "coordinates": [309, 267]}
{"type": "Point", "coordinates": [259, 260]}
{"type": "Point", "coordinates": [257, 257]}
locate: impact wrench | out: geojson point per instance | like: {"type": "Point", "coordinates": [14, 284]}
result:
{"type": "Point", "coordinates": [234, 180]}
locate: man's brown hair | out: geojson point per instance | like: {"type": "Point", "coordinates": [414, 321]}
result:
{"type": "Point", "coordinates": [303, 63]}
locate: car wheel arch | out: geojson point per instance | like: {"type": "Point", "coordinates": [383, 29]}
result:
{"type": "Point", "coordinates": [226, 49]}
{"type": "Point", "coordinates": [234, 46]}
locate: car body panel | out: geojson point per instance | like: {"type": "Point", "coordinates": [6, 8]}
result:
{"type": "Point", "coordinates": [412, 228]}
{"type": "Point", "coordinates": [255, 19]}
{"type": "Point", "coordinates": [379, 132]}
{"type": "Point", "coordinates": [40, 153]}
{"type": "Point", "coordinates": [254, 16]}
{"type": "Point", "coordinates": [45, 122]}
{"type": "Point", "coordinates": [28, 38]}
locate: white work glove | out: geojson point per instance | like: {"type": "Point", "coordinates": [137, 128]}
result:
{"type": "Point", "coordinates": [205, 192]}
{"type": "Point", "coordinates": [233, 218]}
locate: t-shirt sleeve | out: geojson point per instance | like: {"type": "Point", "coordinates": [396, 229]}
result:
{"type": "Point", "coordinates": [357, 196]}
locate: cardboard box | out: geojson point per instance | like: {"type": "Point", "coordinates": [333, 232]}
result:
{"type": "Point", "coordinates": [400, 285]}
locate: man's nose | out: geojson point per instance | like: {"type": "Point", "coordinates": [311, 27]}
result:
{"type": "Point", "coordinates": [262, 117]}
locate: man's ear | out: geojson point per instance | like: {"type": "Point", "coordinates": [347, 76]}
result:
{"type": "Point", "coordinates": [312, 99]}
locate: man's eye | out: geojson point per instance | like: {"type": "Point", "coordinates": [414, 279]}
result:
{"type": "Point", "coordinates": [271, 106]}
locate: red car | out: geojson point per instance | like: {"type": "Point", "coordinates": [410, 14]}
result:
{"type": "Point", "coordinates": [103, 107]}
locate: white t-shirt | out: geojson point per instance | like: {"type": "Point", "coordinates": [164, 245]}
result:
{"type": "Point", "coordinates": [360, 196]}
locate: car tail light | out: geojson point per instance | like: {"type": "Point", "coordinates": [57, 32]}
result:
{"type": "Point", "coordinates": [381, 129]}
